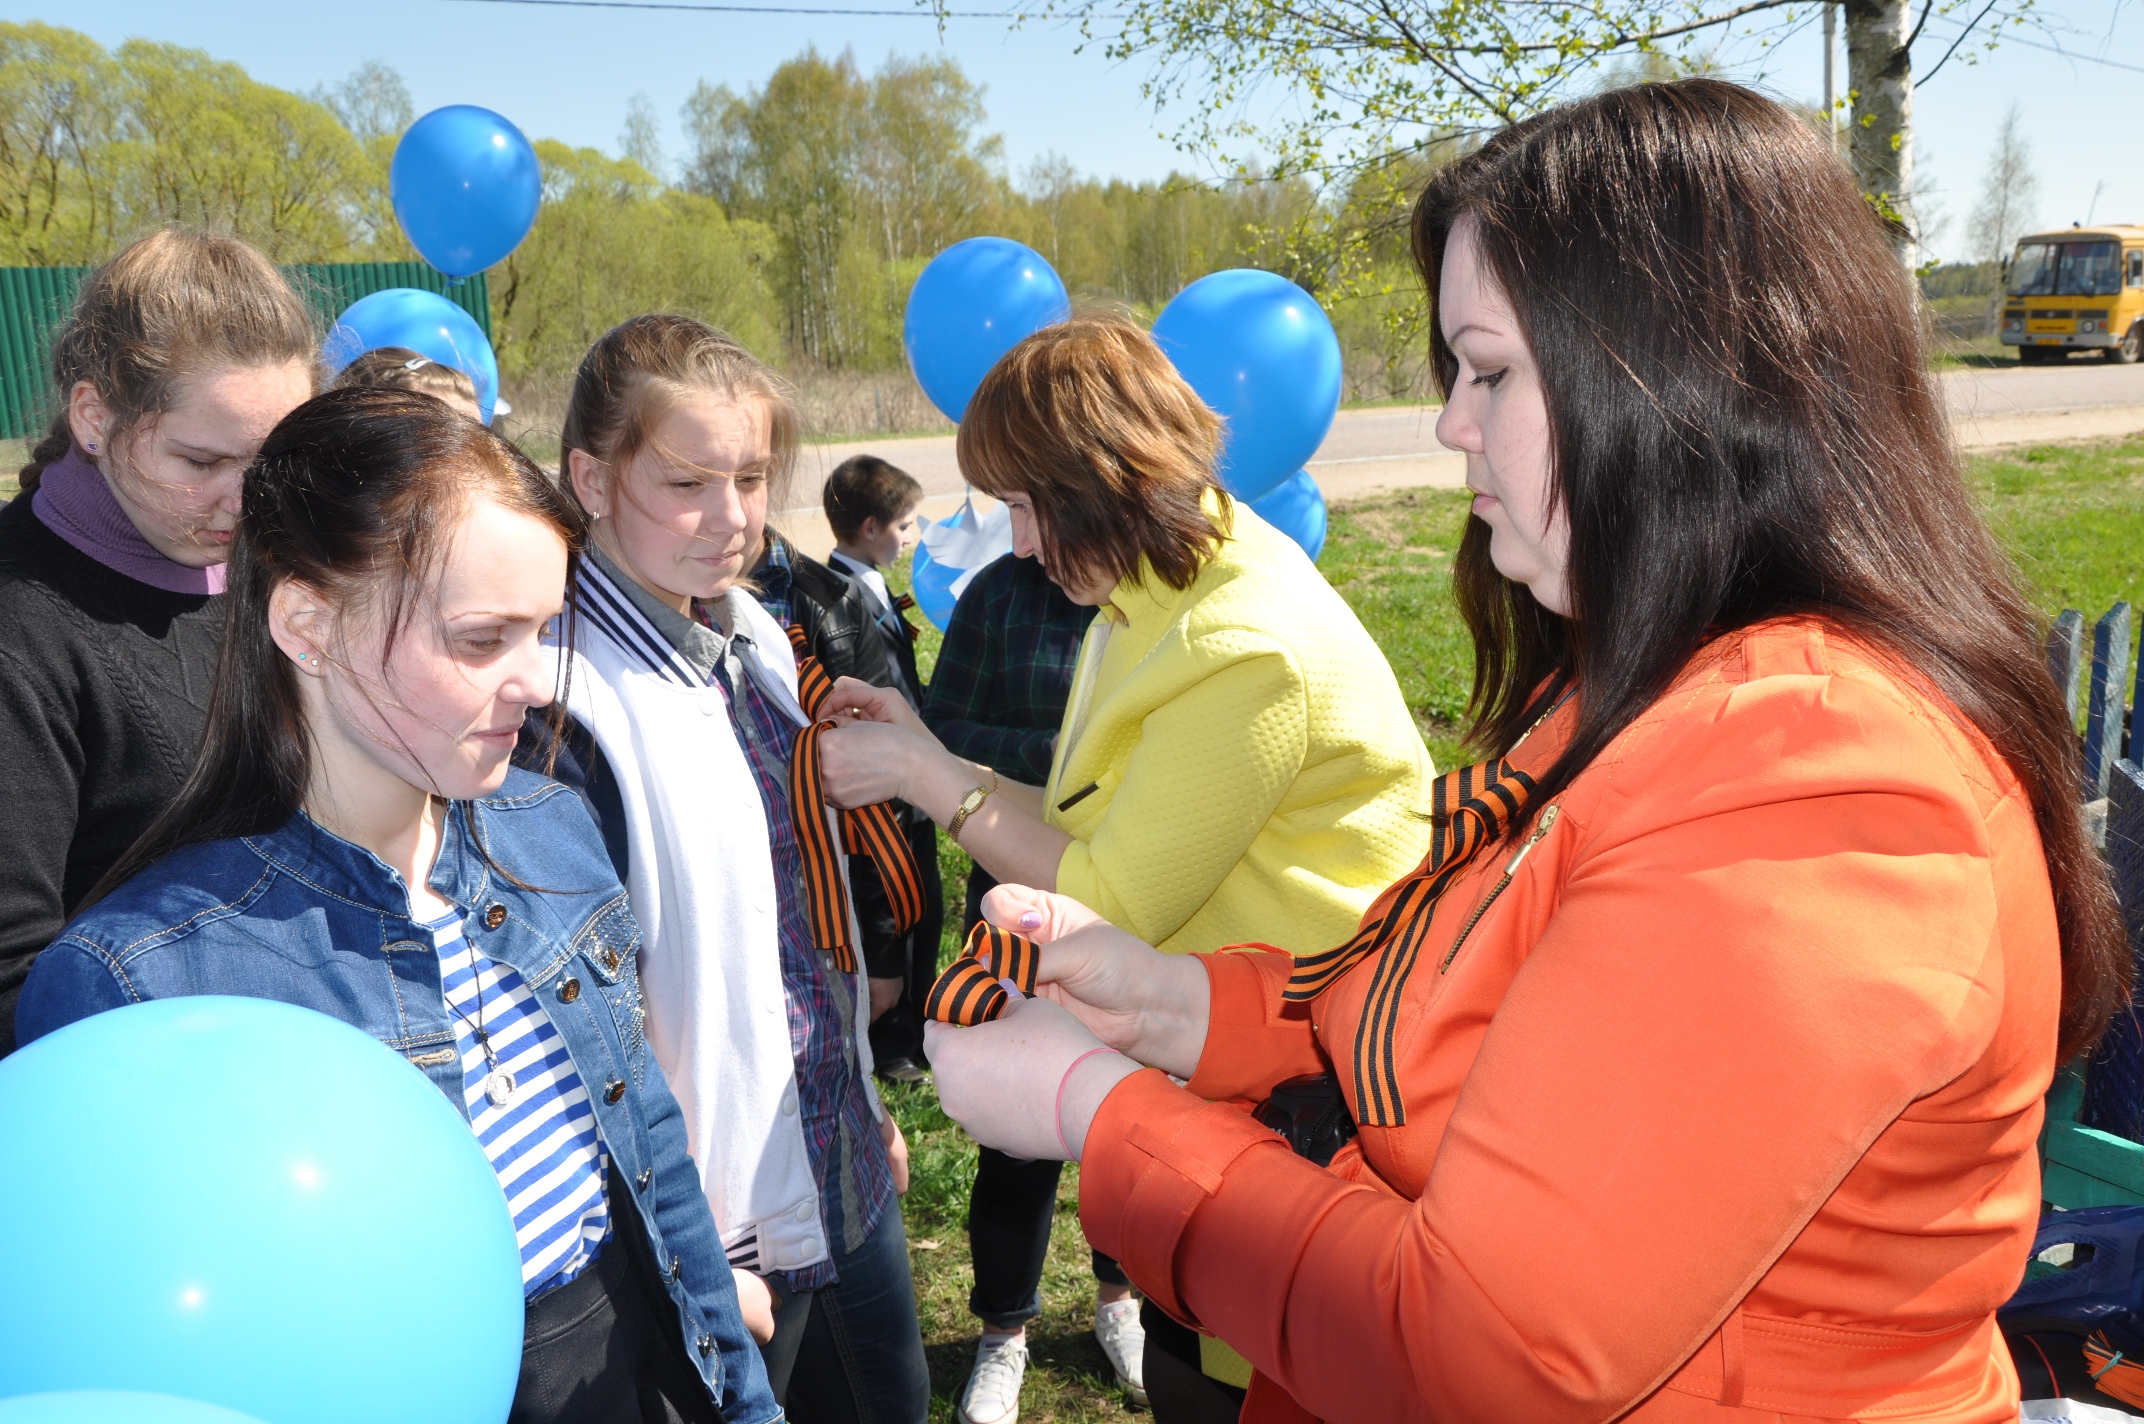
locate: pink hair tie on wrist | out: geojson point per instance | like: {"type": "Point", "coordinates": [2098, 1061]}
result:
{"type": "Point", "coordinates": [1061, 1084]}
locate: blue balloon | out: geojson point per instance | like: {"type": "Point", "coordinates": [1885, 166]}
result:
{"type": "Point", "coordinates": [427, 324]}
{"type": "Point", "coordinates": [932, 583]}
{"type": "Point", "coordinates": [976, 301]}
{"type": "Point", "coordinates": [465, 185]}
{"type": "Point", "coordinates": [112, 1406]}
{"type": "Point", "coordinates": [251, 1204]}
{"type": "Point", "coordinates": [1260, 351]}
{"type": "Point", "coordinates": [1296, 507]}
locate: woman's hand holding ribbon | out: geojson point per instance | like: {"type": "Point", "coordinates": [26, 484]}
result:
{"type": "Point", "coordinates": [856, 700]}
{"type": "Point", "coordinates": [863, 763]}
{"type": "Point", "coordinates": [1141, 1002]}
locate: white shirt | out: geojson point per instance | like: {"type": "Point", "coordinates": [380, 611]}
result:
{"type": "Point", "coordinates": [873, 581]}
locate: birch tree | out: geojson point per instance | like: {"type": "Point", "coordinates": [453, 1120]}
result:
{"type": "Point", "coordinates": [2009, 193]}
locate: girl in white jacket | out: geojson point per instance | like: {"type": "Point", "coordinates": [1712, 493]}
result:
{"type": "Point", "coordinates": [684, 694]}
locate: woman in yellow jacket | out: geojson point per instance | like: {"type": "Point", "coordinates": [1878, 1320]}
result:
{"type": "Point", "coordinates": [1236, 761]}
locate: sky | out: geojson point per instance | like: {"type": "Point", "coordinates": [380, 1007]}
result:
{"type": "Point", "coordinates": [569, 74]}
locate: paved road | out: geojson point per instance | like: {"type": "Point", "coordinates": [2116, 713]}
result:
{"type": "Point", "coordinates": [2082, 384]}
{"type": "Point", "coordinates": [1395, 447]}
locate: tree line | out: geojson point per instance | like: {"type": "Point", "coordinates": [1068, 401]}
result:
{"type": "Point", "coordinates": [797, 216]}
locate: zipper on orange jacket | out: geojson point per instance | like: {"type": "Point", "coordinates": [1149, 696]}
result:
{"type": "Point", "coordinates": [1541, 828]}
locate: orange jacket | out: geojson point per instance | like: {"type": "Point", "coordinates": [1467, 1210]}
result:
{"type": "Point", "coordinates": [1725, 1110]}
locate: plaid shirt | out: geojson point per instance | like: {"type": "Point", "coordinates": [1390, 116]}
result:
{"type": "Point", "coordinates": [1005, 669]}
{"type": "Point", "coordinates": [775, 581]}
{"type": "Point", "coordinates": [840, 1133]}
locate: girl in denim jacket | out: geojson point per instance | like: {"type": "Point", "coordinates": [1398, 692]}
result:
{"type": "Point", "coordinates": [353, 840]}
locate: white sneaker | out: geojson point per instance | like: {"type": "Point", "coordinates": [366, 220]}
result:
{"type": "Point", "coordinates": [993, 1392]}
{"type": "Point", "coordinates": [1116, 1325]}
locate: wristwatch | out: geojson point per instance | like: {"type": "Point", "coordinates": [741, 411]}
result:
{"type": "Point", "coordinates": [970, 804]}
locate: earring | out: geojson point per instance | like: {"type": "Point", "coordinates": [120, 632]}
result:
{"type": "Point", "coordinates": [92, 447]}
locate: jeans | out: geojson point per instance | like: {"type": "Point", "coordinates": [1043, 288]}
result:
{"type": "Point", "coordinates": [860, 1360]}
{"type": "Point", "coordinates": [1010, 1210]}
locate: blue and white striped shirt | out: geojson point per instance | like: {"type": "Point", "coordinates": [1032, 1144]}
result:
{"type": "Point", "coordinates": [543, 1142]}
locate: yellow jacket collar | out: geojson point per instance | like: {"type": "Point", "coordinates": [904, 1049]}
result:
{"type": "Point", "coordinates": [1142, 594]}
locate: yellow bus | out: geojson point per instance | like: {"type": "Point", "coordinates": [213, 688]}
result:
{"type": "Point", "coordinates": [2077, 290]}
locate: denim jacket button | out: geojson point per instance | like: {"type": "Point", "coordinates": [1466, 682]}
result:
{"type": "Point", "coordinates": [569, 991]}
{"type": "Point", "coordinates": [494, 917]}
{"type": "Point", "coordinates": [612, 959]}
{"type": "Point", "coordinates": [647, 1175]}
{"type": "Point", "coordinates": [613, 1090]}
{"type": "Point", "coordinates": [707, 1345]}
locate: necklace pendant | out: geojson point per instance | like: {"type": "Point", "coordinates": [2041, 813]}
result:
{"type": "Point", "coordinates": [499, 1087]}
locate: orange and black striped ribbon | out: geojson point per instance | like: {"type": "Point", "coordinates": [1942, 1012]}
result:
{"type": "Point", "coordinates": [1470, 808]}
{"type": "Point", "coordinates": [2113, 1371]}
{"type": "Point", "coordinates": [968, 993]}
{"type": "Point", "coordinates": [868, 830]}
{"type": "Point", "coordinates": [902, 602]}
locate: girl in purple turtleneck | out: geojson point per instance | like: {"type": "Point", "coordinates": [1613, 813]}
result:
{"type": "Point", "coordinates": [181, 354]}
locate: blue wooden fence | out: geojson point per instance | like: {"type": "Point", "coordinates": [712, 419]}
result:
{"type": "Point", "coordinates": [2093, 1146]}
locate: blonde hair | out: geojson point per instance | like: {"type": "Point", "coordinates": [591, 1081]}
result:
{"type": "Point", "coordinates": [638, 369]}
{"type": "Point", "coordinates": [401, 369]}
{"type": "Point", "coordinates": [172, 305]}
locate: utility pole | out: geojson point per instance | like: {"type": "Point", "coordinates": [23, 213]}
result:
{"type": "Point", "coordinates": [1831, 83]}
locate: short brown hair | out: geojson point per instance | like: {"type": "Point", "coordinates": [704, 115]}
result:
{"type": "Point", "coordinates": [634, 373]}
{"type": "Point", "coordinates": [1089, 420]}
{"type": "Point", "coordinates": [172, 305]}
{"type": "Point", "coordinates": [865, 487]}
{"type": "Point", "coordinates": [398, 368]}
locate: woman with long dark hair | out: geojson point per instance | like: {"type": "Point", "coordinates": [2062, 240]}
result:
{"type": "Point", "coordinates": [353, 840]}
{"type": "Point", "coordinates": [1697, 1072]}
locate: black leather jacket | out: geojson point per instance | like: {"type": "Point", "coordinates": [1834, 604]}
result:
{"type": "Point", "coordinates": [838, 627]}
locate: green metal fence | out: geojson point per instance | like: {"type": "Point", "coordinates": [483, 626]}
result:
{"type": "Point", "coordinates": [34, 301]}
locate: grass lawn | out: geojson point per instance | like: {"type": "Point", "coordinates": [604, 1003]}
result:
{"type": "Point", "coordinates": [2072, 517]}
{"type": "Point", "coordinates": [1967, 353]}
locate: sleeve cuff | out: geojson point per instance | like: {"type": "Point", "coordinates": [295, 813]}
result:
{"type": "Point", "coordinates": [1154, 1154]}
{"type": "Point", "coordinates": [1254, 1037]}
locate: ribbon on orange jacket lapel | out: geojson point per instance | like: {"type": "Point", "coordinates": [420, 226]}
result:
{"type": "Point", "coordinates": [1470, 808]}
